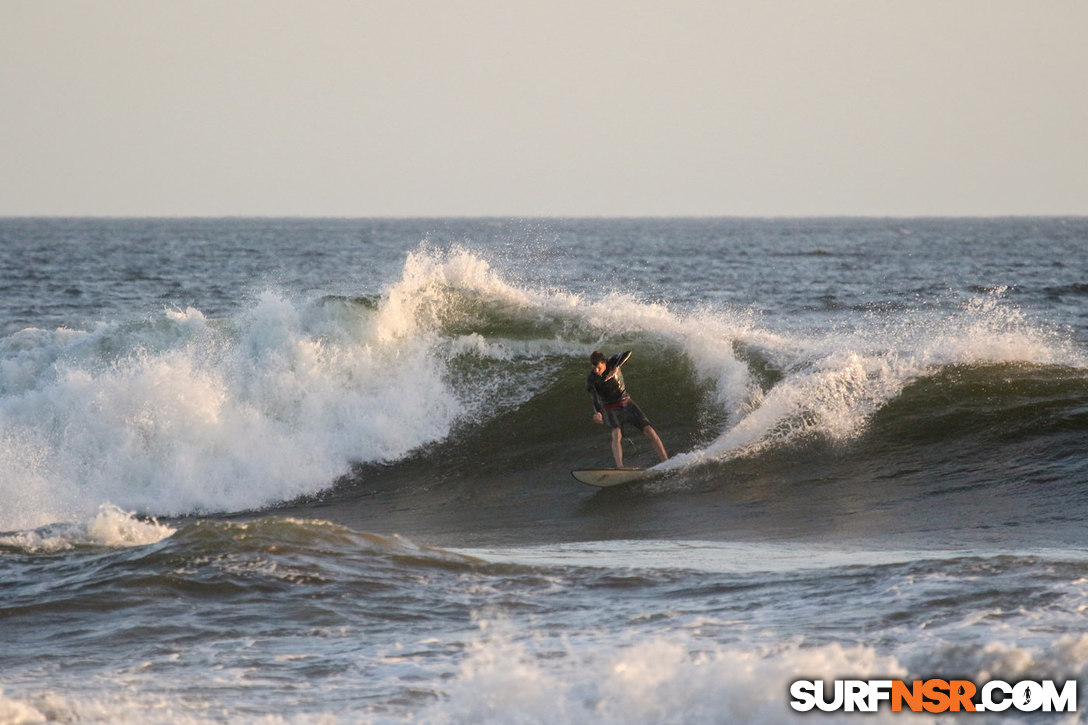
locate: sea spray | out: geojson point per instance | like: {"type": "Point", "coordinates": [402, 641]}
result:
{"type": "Point", "coordinates": [829, 385]}
{"type": "Point", "coordinates": [510, 677]}
{"type": "Point", "coordinates": [181, 414]}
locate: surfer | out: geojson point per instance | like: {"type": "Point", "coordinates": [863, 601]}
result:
{"type": "Point", "coordinates": [614, 406]}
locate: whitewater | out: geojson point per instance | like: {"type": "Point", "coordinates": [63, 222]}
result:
{"type": "Point", "coordinates": [318, 470]}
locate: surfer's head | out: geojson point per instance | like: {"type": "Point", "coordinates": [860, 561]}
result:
{"type": "Point", "coordinates": [596, 360]}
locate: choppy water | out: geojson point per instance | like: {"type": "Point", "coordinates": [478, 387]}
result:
{"type": "Point", "coordinates": [317, 470]}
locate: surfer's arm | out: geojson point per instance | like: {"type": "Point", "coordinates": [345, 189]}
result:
{"type": "Point", "coordinates": [618, 359]}
{"type": "Point", "coordinates": [614, 363]}
{"type": "Point", "coordinates": [598, 406]}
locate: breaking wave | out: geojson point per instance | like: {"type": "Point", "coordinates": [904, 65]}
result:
{"type": "Point", "coordinates": [181, 414]}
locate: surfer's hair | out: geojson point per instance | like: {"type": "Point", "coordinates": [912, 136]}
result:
{"type": "Point", "coordinates": [597, 357]}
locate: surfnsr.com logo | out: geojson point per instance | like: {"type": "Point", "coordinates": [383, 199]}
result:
{"type": "Point", "coordinates": [934, 695]}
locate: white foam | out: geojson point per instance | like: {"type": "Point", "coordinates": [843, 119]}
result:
{"type": "Point", "coordinates": [183, 414]}
{"type": "Point", "coordinates": [419, 301]}
{"type": "Point", "coordinates": [681, 676]}
{"type": "Point", "coordinates": [665, 678]}
{"type": "Point", "coordinates": [110, 527]}
{"type": "Point", "coordinates": [1065, 659]}
{"type": "Point", "coordinates": [126, 707]}
{"type": "Point", "coordinates": [19, 712]}
{"type": "Point", "coordinates": [832, 383]}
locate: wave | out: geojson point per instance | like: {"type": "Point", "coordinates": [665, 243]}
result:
{"type": "Point", "coordinates": [454, 365]}
{"type": "Point", "coordinates": [109, 528]}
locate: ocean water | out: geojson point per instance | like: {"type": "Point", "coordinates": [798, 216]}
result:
{"type": "Point", "coordinates": [317, 471]}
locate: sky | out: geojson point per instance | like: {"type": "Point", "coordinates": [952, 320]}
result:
{"type": "Point", "coordinates": [543, 107]}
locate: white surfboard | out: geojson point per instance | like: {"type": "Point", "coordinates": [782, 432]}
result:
{"type": "Point", "coordinates": [605, 477]}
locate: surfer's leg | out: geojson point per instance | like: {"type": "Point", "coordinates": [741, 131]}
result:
{"type": "Point", "coordinates": [634, 415]}
{"type": "Point", "coordinates": [658, 446]}
{"type": "Point", "coordinates": [617, 446]}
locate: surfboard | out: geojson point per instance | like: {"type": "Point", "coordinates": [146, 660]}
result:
{"type": "Point", "coordinates": [605, 477]}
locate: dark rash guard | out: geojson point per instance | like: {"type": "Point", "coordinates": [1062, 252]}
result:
{"type": "Point", "coordinates": [607, 389]}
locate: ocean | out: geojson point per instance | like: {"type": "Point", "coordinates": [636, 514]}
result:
{"type": "Point", "coordinates": [318, 470]}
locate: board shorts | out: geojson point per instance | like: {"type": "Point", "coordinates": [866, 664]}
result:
{"type": "Point", "coordinates": [627, 413]}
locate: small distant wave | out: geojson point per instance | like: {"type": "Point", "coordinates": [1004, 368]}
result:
{"type": "Point", "coordinates": [292, 538]}
{"type": "Point", "coordinates": [110, 528]}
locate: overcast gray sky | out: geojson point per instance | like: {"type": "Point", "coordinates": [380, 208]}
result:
{"type": "Point", "coordinates": [543, 108]}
